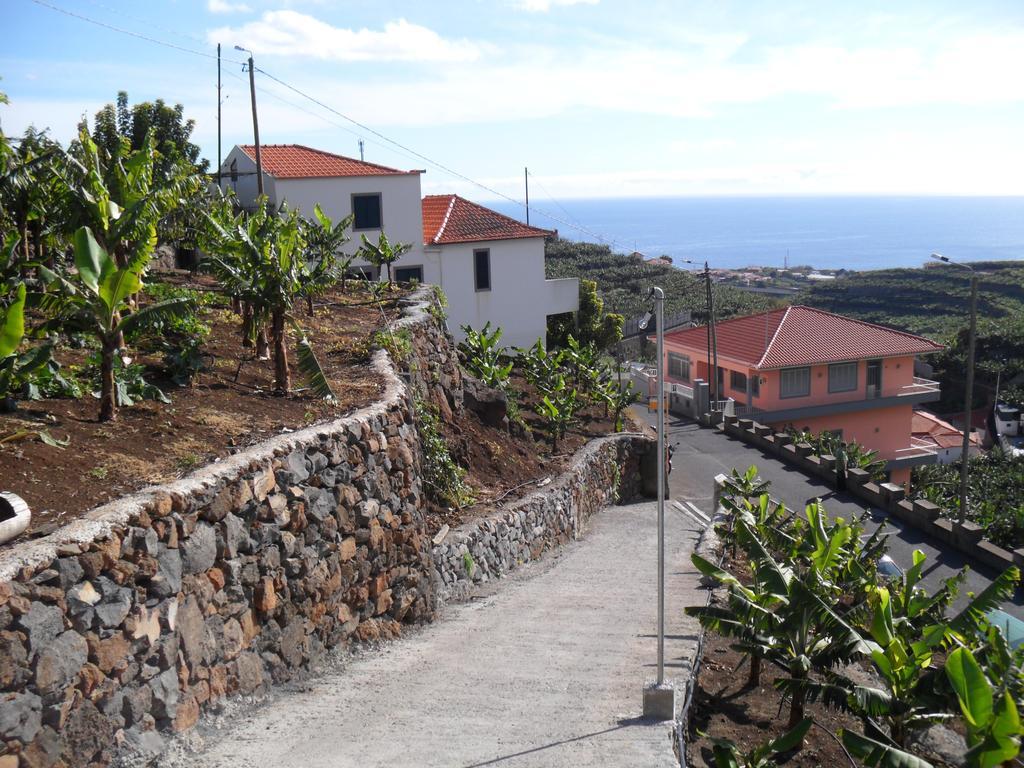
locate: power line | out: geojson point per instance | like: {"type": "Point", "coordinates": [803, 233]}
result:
{"type": "Point", "coordinates": [409, 151]}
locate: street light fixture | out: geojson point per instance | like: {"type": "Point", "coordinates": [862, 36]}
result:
{"type": "Point", "coordinates": [969, 389]}
{"type": "Point", "coordinates": [659, 699]}
{"type": "Point", "coordinates": [255, 122]}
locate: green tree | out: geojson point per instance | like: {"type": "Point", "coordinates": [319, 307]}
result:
{"type": "Point", "coordinates": [170, 130]}
{"type": "Point", "coordinates": [383, 253]}
{"type": "Point", "coordinates": [593, 325]}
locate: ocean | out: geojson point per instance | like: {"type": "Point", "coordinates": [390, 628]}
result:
{"type": "Point", "coordinates": [859, 233]}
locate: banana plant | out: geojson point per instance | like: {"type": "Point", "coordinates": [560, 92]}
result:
{"type": "Point", "coordinates": [989, 711]}
{"type": "Point", "coordinates": [879, 753]}
{"type": "Point", "coordinates": [747, 484]}
{"type": "Point", "coordinates": [16, 370]}
{"type": "Point", "coordinates": [95, 301]}
{"type": "Point", "coordinates": [727, 753]}
{"type": "Point", "coordinates": [324, 265]}
{"type": "Point", "coordinates": [383, 253]}
{"type": "Point", "coordinates": [484, 356]}
{"type": "Point", "coordinates": [558, 409]}
{"type": "Point", "coordinates": [259, 258]}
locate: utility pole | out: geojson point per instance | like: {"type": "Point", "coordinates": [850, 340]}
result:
{"type": "Point", "coordinates": [712, 339]}
{"type": "Point", "coordinates": [361, 150]}
{"type": "Point", "coordinates": [526, 179]}
{"type": "Point", "coordinates": [218, 115]}
{"type": "Point", "coordinates": [255, 121]}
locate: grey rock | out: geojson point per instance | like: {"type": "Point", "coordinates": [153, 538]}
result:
{"type": "Point", "coordinates": [167, 581]}
{"type": "Point", "coordinates": [21, 716]}
{"type": "Point", "coordinates": [42, 623]}
{"type": "Point", "coordinates": [115, 604]}
{"type": "Point", "coordinates": [944, 743]}
{"type": "Point", "coordinates": [143, 745]}
{"type": "Point", "coordinates": [317, 461]}
{"type": "Point", "coordinates": [236, 537]}
{"type": "Point", "coordinates": [70, 571]}
{"type": "Point", "coordinates": [137, 702]}
{"type": "Point", "coordinates": [165, 694]}
{"type": "Point", "coordinates": [59, 662]}
{"type": "Point", "coordinates": [294, 471]}
{"type": "Point", "coordinates": [199, 551]}
{"type": "Point", "coordinates": [319, 503]}
{"type": "Point", "coordinates": [193, 633]}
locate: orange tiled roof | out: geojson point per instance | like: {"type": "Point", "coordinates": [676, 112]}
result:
{"type": "Point", "coordinates": [454, 219]}
{"type": "Point", "coordinates": [800, 335]}
{"type": "Point", "coordinates": [294, 161]}
{"type": "Point", "coordinates": [925, 425]}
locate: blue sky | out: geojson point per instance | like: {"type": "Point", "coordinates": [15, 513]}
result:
{"type": "Point", "coordinates": [600, 98]}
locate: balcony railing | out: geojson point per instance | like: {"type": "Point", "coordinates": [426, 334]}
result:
{"type": "Point", "coordinates": [920, 387]}
{"type": "Point", "coordinates": [917, 447]}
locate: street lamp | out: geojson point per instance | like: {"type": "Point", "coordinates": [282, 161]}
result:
{"type": "Point", "coordinates": [660, 699]}
{"type": "Point", "coordinates": [255, 122]}
{"type": "Point", "coordinates": [969, 393]}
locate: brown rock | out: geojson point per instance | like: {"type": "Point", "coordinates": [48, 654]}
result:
{"type": "Point", "coordinates": [384, 602]}
{"type": "Point", "coordinates": [347, 550]}
{"type": "Point", "coordinates": [216, 577]}
{"type": "Point", "coordinates": [202, 691]}
{"type": "Point", "coordinates": [106, 654]}
{"type": "Point", "coordinates": [8, 761]}
{"type": "Point", "coordinates": [376, 535]}
{"type": "Point", "coordinates": [145, 624]}
{"type": "Point", "coordinates": [161, 505]}
{"type": "Point", "coordinates": [249, 672]}
{"type": "Point", "coordinates": [187, 714]}
{"type": "Point", "coordinates": [89, 678]}
{"type": "Point", "coordinates": [218, 683]}
{"type": "Point", "coordinates": [367, 631]}
{"type": "Point", "coordinates": [234, 639]}
{"type": "Point", "coordinates": [265, 598]}
{"type": "Point", "coordinates": [249, 628]}
{"type": "Point", "coordinates": [263, 483]}
{"type": "Point", "coordinates": [378, 584]}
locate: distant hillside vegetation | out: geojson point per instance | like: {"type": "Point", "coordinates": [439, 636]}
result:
{"type": "Point", "coordinates": [624, 282]}
{"type": "Point", "coordinates": [932, 301]}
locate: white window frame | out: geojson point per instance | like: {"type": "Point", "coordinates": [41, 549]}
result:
{"type": "Point", "coordinates": [683, 362]}
{"type": "Point", "coordinates": [833, 387]}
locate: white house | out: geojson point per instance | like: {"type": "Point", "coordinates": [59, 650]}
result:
{"type": "Point", "coordinates": [382, 198]}
{"type": "Point", "coordinates": [490, 266]}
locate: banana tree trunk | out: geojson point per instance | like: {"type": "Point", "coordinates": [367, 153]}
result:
{"type": "Point", "coordinates": [282, 378]}
{"type": "Point", "coordinates": [262, 345]}
{"type": "Point", "coordinates": [108, 396]}
{"type": "Point", "coordinates": [247, 325]}
{"type": "Point", "coordinates": [796, 708]}
{"type": "Point", "coordinates": [754, 680]}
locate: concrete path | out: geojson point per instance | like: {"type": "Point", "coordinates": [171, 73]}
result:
{"type": "Point", "coordinates": [546, 670]}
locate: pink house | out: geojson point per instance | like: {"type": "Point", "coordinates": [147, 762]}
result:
{"type": "Point", "coordinates": [815, 370]}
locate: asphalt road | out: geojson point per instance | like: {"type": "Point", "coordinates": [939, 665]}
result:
{"type": "Point", "coordinates": [703, 453]}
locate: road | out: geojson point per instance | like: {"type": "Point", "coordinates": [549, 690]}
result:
{"type": "Point", "coordinates": [703, 453]}
{"type": "Point", "coordinates": [547, 669]}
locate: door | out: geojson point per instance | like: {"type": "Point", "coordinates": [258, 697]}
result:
{"type": "Point", "coordinates": [874, 379]}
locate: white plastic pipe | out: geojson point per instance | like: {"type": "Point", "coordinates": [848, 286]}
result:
{"type": "Point", "coordinates": [14, 516]}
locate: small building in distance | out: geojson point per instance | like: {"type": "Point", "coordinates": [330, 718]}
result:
{"type": "Point", "coordinates": [809, 369]}
{"type": "Point", "coordinates": [946, 440]}
{"type": "Point", "coordinates": [490, 266]}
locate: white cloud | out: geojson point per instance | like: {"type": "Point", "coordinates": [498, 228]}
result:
{"type": "Point", "coordinates": [543, 6]}
{"type": "Point", "coordinates": [290, 33]}
{"type": "Point", "coordinates": [223, 6]}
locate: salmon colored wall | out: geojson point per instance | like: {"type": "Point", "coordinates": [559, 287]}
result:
{"type": "Point", "coordinates": [885, 430]}
{"type": "Point", "coordinates": [897, 372]}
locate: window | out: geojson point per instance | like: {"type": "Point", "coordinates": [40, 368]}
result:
{"type": "Point", "coordinates": [482, 269]}
{"type": "Point", "coordinates": [366, 209]}
{"type": "Point", "coordinates": [842, 377]}
{"type": "Point", "coordinates": [738, 381]}
{"type": "Point", "coordinates": [679, 367]}
{"type": "Point", "coordinates": [755, 385]}
{"type": "Point", "coordinates": [408, 274]}
{"type": "Point", "coordinates": [795, 382]}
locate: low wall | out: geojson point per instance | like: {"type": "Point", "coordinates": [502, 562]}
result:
{"type": "Point", "coordinates": [605, 470]}
{"type": "Point", "coordinates": [925, 516]}
{"type": "Point", "coordinates": [135, 618]}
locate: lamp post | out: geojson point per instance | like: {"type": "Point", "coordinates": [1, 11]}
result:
{"type": "Point", "coordinates": [969, 389]}
{"type": "Point", "coordinates": [255, 122]}
{"type": "Point", "coordinates": [659, 699]}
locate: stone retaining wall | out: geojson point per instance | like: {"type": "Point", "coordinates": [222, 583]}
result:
{"type": "Point", "coordinates": [967, 537]}
{"type": "Point", "coordinates": [133, 619]}
{"type": "Point", "coordinates": [606, 470]}
{"type": "Point", "coordinates": [149, 609]}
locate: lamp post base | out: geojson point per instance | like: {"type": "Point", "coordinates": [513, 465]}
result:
{"type": "Point", "coordinates": [660, 701]}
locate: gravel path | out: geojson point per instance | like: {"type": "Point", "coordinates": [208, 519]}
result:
{"type": "Point", "coordinates": [546, 669]}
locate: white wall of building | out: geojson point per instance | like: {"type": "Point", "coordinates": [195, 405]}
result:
{"type": "Point", "coordinates": [401, 202]}
{"type": "Point", "coordinates": [520, 298]}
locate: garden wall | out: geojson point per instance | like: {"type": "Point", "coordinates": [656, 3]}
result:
{"type": "Point", "coordinates": [602, 472]}
{"type": "Point", "coordinates": [967, 537]}
{"type": "Point", "coordinates": [135, 618]}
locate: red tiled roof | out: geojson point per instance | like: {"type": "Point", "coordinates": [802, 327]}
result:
{"type": "Point", "coordinates": [294, 161]}
{"type": "Point", "coordinates": [800, 335]}
{"type": "Point", "coordinates": [454, 219]}
{"type": "Point", "coordinates": [925, 425]}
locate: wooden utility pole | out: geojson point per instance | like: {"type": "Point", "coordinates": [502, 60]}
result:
{"type": "Point", "coordinates": [218, 114]}
{"type": "Point", "coordinates": [526, 179]}
{"type": "Point", "coordinates": [712, 339]}
{"type": "Point", "coordinates": [255, 122]}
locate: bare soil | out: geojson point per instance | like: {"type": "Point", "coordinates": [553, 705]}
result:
{"type": "Point", "coordinates": [230, 406]}
{"type": "Point", "coordinates": [503, 467]}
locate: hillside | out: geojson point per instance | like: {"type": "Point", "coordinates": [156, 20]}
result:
{"type": "Point", "coordinates": [624, 282]}
{"type": "Point", "coordinates": [932, 301]}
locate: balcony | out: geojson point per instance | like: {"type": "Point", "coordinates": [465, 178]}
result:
{"type": "Point", "coordinates": [920, 391]}
{"type": "Point", "coordinates": [919, 452]}
{"type": "Point", "coordinates": [921, 387]}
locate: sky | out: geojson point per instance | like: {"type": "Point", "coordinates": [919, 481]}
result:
{"type": "Point", "coordinates": [599, 98]}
